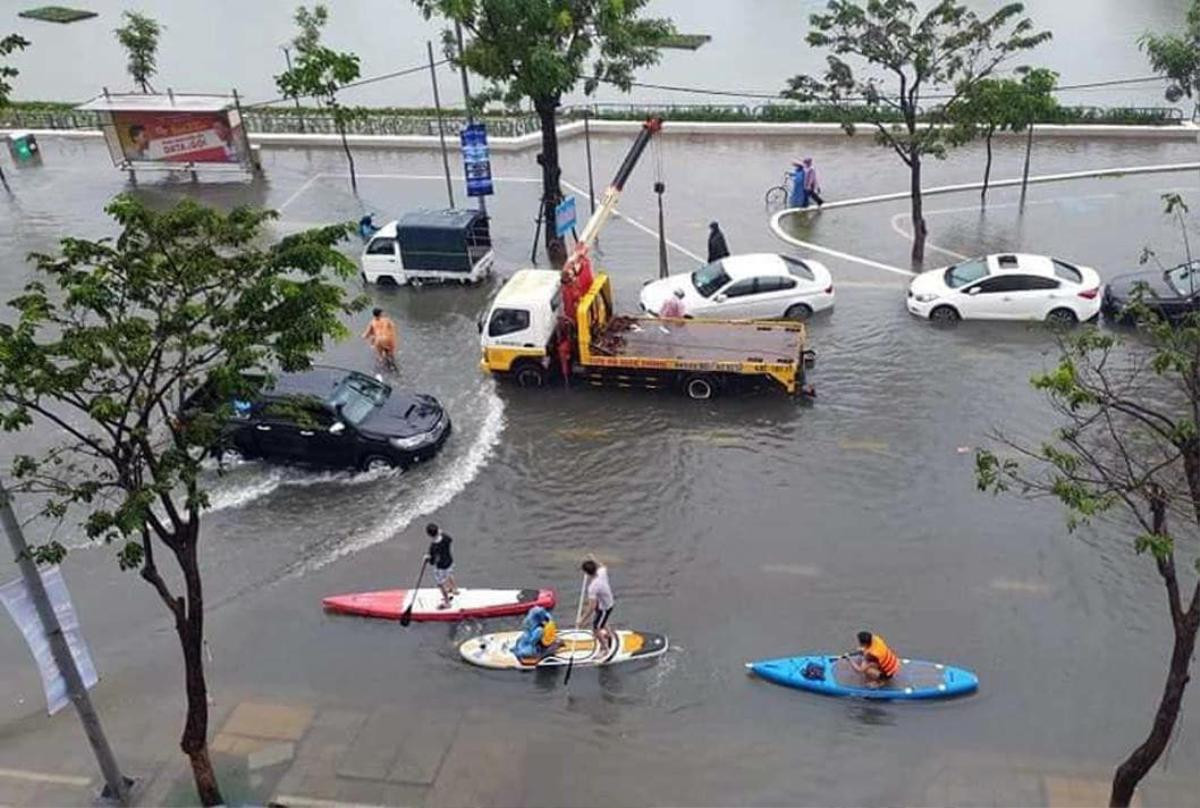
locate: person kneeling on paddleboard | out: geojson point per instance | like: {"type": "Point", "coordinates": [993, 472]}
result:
{"type": "Point", "coordinates": [443, 563]}
{"type": "Point", "coordinates": [879, 663]}
{"type": "Point", "coordinates": [599, 601]}
{"type": "Point", "coordinates": [539, 637]}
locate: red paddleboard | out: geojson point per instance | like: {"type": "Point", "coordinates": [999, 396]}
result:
{"type": "Point", "coordinates": [389, 604]}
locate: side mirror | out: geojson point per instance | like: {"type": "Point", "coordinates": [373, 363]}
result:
{"type": "Point", "coordinates": [720, 299]}
{"type": "Point", "coordinates": [337, 428]}
{"type": "Point", "coordinates": [974, 290]}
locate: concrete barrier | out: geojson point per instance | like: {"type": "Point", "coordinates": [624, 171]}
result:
{"type": "Point", "coordinates": [1185, 132]}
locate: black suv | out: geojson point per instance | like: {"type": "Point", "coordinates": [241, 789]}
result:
{"type": "Point", "coordinates": [329, 417]}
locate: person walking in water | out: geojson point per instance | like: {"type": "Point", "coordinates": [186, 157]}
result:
{"type": "Point", "coordinates": [443, 563]}
{"type": "Point", "coordinates": [599, 596]}
{"type": "Point", "coordinates": [381, 335]}
{"type": "Point", "coordinates": [799, 196]}
{"type": "Point", "coordinates": [673, 308]}
{"type": "Point", "coordinates": [717, 248]}
{"type": "Point", "coordinates": [812, 188]}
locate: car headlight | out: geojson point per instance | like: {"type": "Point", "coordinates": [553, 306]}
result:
{"type": "Point", "coordinates": [420, 439]}
{"type": "Point", "coordinates": [925, 297]}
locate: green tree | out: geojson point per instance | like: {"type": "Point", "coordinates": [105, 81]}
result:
{"type": "Point", "coordinates": [1177, 57]}
{"type": "Point", "coordinates": [321, 72]}
{"type": "Point", "coordinates": [1003, 105]}
{"type": "Point", "coordinates": [947, 49]}
{"type": "Point", "coordinates": [540, 49]}
{"type": "Point", "coordinates": [10, 43]}
{"type": "Point", "coordinates": [1129, 442]}
{"type": "Point", "coordinates": [139, 37]}
{"type": "Point", "coordinates": [107, 344]}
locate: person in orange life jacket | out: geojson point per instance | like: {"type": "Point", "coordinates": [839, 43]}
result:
{"type": "Point", "coordinates": [442, 562]}
{"type": "Point", "coordinates": [878, 662]}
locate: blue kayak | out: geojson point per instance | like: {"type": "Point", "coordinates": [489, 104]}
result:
{"type": "Point", "coordinates": [834, 676]}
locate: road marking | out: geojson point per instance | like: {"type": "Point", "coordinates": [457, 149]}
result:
{"type": "Point", "coordinates": [779, 232]}
{"type": "Point", "coordinates": [43, 777]}
{"type": "Point", "coordinates": [1026, 587]}
{"type": "Point", "coordinates": [641, 226]}
{"type": "Point", "coordinates": [346, 175]}
{"type": "Point", "coordinates": [929, 245]}
{"type": "Point", "coordinates": [803, 570]}
{"type": "Point", "coordinates": [299, 191]}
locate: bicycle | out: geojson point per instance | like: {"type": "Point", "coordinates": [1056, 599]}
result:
{"type": "Point", "coordinates": [778, 195]}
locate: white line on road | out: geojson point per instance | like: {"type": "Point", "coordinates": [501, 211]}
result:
{"type": "Point", "coordinates": [640, 226]}
{"type": "Point", "coordinates": [929, 245]}
{"type": "Point", "coordinates": [346, 175]}
{"type": "Point", "coordinates": [43, 777]}
{"type": "Point", "coordinates": [308, 802]}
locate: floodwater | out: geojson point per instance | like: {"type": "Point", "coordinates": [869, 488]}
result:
{"type": "Point", "coordinates": [757, 44]}
{"type": "Point", "coordinates": [743, 528]}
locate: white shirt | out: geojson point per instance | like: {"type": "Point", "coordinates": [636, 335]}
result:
{"type": "Point", "coordinates": [599, 590]}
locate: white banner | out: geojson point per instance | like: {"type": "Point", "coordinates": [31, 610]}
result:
{"type": "Point", "coordinates": [20, 605]}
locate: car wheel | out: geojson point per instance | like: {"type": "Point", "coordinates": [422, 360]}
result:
{"type": "Point", "coordinates": [377, 463]}
{"type": "Point", "coordinates": [699, 387]}
{"type": "Point", "coordinates": [800, 312]}
{"type": "Point", "coordinates": [530, 375]}
{"type": "Point", "coordinates": [944, 315]}
{"type": "Point", "coordinates": [1061, 318]}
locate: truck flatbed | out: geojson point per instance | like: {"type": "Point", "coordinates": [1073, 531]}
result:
{"type": "Point", "coordinates": [706, 341]}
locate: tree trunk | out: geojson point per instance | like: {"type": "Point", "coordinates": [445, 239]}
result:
{"type": "Point", "coordinates": [547, 109]}
{"type": "Point", "coordinates": [190, 627]}
{"type": "Point", "coordinates": [918, 214]}
{"type": "Point", "coordinates": [341, 127]}
{"type": "Point", "coordinates": [4, 180]}
{"type": "Point", "coordinates": [987, 169]}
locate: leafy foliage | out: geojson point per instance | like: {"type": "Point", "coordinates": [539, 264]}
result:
{"type": "Point", "coordinates": [540, 49]}
{"type": "Point", "coordinates": [320, 72]}
{"type": "Point", "coordinates": [1177, 57]}
{"type": "Point", "coordinates": [107, 344]}
{"type": "Point", "coordinates": [139, 37]}
{"type": "Point", "coordinates": [949, 46]}
{"type": "Point", "coordinates": [1129, 447]}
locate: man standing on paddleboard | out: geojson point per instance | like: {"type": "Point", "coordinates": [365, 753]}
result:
{"type": "Point", "coordinates": [443, 563]}
{"type": "Point", "coordinates": [599, 601]}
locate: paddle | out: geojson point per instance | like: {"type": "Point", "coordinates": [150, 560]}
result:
{"type": "Point", "coordinates": [406, 618]}
{"type": "Point", "coordinates": [578, 617]}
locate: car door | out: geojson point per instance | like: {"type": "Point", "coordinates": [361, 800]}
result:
{"type": "Point", "coordinates": [276, 434]}
{"type": "Point", "coordinates": [1036, 295]}
{"type": "Point", "coordinates": [381, 257]}
{"type": "Point", "coordinates": [324, 440]}
{"type": "Point", "coordinates": [735, 301]}
{"type": "Point", "coordinates": [984, 300]}
{"type": "Point", "coordinates": [774, 294]}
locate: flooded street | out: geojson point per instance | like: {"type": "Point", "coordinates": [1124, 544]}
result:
{"type": "Point", "coordinates": [744, 527]}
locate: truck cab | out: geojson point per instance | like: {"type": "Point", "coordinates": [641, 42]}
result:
{"type": "Point", "coordinates": [517, 332]}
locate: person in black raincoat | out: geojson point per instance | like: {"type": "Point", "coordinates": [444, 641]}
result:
{"type": "Point", "coordinates": [717, 248]}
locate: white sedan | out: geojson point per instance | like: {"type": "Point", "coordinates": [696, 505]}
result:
{"type": "Point", "coordinates": [1007, 286]}
{"type": "Point", "coordinates": [743, 287]}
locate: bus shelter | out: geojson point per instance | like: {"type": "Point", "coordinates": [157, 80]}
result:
{"type": "Point", "coordinates": [173, 131]}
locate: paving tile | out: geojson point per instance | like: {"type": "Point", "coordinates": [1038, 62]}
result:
{"type": "Point", "coordinates": [271, 755]}
{"type": "Point", "coordinates": [421, 752]}
{"type": "Point", "coordinates": [376, 746]}
{"type": "Point", "coordinates": [339, 720]}
{"type": "Point", "coordinates": [279, 722]}
{"type": "Point", "coordinates": [1078, 792]}
{"type": "Point", "coordinates": [229, 744]}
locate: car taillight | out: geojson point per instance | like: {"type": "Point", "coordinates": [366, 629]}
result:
{"type": "Point", "coordinates": [829, 289]}
{"type": "Point", "coordinates": [1089, 294]}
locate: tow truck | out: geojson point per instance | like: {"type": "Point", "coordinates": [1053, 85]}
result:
{"type": "Point", "coordinates": [544, 325]}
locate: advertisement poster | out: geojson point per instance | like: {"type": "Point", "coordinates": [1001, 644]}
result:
{"type": "Point", "coordinates": [179, 137]}
{"type": "Point", "coordinates": [477, 165]}
{"type": "Point", "coordinates": [20, 605]}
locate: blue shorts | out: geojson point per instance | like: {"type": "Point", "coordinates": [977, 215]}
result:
{"type": "Point", "coordinates": [441, 576]}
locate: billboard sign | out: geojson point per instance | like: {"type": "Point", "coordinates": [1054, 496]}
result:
{"type": "Point", "coordinates": [564, 216]}
{"type": "Point", "coordinates": [179, 137]}
{"type": "Point", "coordinates": [477, 165]}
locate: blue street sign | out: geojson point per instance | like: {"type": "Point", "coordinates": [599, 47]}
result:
{"type": "Point", "coordinates": [477, 164]}
{"type": "Point", "coordinates": [564, 216]}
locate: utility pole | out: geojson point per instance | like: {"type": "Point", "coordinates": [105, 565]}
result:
{"type": "Point", "coordinates": [437, 103]}
{"type": "Point", "coordinates": [287, 54]}
{"type": "Point", "coordinates": [462, 71]}
{"type": "Point", "coordinates": [116, 785]}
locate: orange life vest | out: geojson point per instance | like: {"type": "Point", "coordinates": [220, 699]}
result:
{"type": "Point", "coordinates": [549, 634]}
{"type": "Point", "coordinates": [884, 657]}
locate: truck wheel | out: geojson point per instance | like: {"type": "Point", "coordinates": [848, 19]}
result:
{"type": "Point", "coordinates": [699, 387]}
{"type": "Point", "coordinates": [530, 375]}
